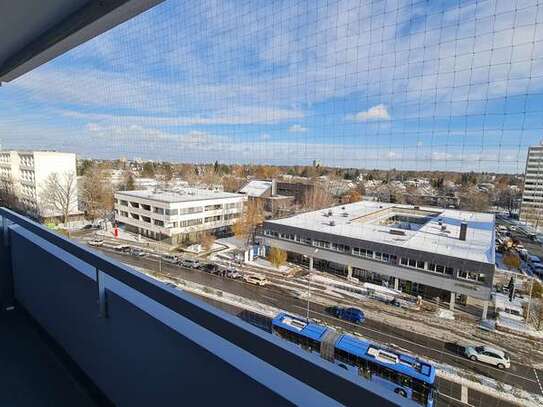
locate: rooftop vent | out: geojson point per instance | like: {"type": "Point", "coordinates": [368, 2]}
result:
{"type": "Point", "coordinates": [443, 228]}
{"type": "Point", "coordinates": [330, 213]}
{"type": "Point", "coordinates": [343, 207]}
{"type": "Point", "coordinates": [344, 214]}
{"type": "Point", "coordinates": [463, 231]}
{"type": "Point", "coordinates": [398, 232]}
{"type": "Point", "coordinates": [332, 223]}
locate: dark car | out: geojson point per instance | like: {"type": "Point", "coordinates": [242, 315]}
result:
{"type": "Point", "coordinates": [209, 268]}
{"type": "Point", "coordinates": [353, 315]}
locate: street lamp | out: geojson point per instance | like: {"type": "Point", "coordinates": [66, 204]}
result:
{"type": "Point", "coordinates": [309, 281]}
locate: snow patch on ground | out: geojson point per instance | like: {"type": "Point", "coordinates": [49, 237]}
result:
{"type": "Point", "coordinates": [265, 264]}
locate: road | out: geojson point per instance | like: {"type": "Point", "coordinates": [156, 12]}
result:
{"type": "Point", "coordinates": [519, 375]}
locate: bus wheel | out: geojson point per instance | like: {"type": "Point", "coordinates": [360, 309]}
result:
{"type": "Point", "coordinates": [401, 392]}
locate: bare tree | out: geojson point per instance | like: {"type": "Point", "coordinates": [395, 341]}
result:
{"type": "Point", "coordinates": [253, 215]}
{"type": "Point", "coordinates": [207, 240]}
{"type": "Point", "coordinates": [277, 257]}
{"type": "Point", "coordinates": [318, 198]}
{"type": "Point", "coordinates": [474, 200]}
{"type": "Point", "coordinates": [7, 194]}
{"type": "Point", "coordinates": [512, 260]}
{"type": "Point", "coordinates": [59, 194]}
{"type": "Point", "coordinates": [97, 193]}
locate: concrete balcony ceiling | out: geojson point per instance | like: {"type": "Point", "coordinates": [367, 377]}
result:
{"type": "Point", "coordinates": [33, 32]}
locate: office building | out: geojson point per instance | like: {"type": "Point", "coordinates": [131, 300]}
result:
{"type": "Point", "coordinates": [25, 174]}
{"type": "Point", "coordinates": [422, 250]}
{"type": "Point", "coordinates": [177, 215]}
{"type": "Point", "coordinates": [265, 193]}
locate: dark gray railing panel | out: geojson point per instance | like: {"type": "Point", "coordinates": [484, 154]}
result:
{"type": "Point", "coordinates": [6, 272]}
{"type": "Point", "coordinates": [134, 358]}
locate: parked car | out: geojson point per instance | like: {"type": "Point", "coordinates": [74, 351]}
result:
{"type": "Point", "coordinates": [256, 279]}
{"type": "Point", "coordinates": [209, 268]}
{"type": "Point", "coordinates": [123, 248]}
{"type": "Point", "coordinates": [170, 258]}
{"type": "Point", "coordinates": [350, 314]}
{"type": "Point", "coordinates": [136, 251]}
{"type": "Point", "coordinates": [533, 261]}
{"type": "Point", "coordinates": [95, 242]}
{"type": "Point", "coordinates": [538, 269]}
{"type": "Point", "coordinates": [233, 273]}
{"type": "Point", "coordinates": [189, 263]}
{"type": "Point", "coordinates": [487, 354]}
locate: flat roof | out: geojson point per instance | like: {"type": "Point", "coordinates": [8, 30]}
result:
{"type": "Point", "coordinates": [256, 188]}
{"type": "Point", "coordinates": [363, 220]}
{"type": "Point", "coordinates": [180, 195]}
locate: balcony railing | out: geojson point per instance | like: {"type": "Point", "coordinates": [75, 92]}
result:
{"type": "Point", "coordinates": [143, 343]}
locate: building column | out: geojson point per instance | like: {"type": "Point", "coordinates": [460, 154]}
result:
{"type": "Point", "coordinates": [349, 271]}
{"type": "Point", "coordinates": [310, 264]}
{"type": "Point", "coordinates": [485, 310]}
{"type": "Point", "coordinates": [396, 283]}
{"type": "Point", "coordinates": [451, 303]}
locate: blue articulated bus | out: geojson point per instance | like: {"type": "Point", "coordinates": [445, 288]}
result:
{"type": "Point", "coordinates": [405, 375]}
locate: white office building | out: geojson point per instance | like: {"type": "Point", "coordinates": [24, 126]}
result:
{"type": "Point", "coordinates": [427, 251]}
{"type": "Point", "coordinates": [175, 216]}
{"type": "Point", "coordinates": [531, 209]}
{"type": "Point", "coordinates": [25, 173]}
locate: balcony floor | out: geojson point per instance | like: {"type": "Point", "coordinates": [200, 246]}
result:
{"type": "Point", "coordinates": [34, 372]}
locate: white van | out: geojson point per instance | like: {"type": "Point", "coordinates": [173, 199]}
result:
{"type": "Point", "coordinates": [256, 279]}
{"type": "Point", "coordinates": [170, 258]}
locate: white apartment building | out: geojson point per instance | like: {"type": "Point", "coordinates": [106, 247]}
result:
{"type": "Point", "coordinates": [531, 210]}
{"type": "Point", "coordinates": [25, 173]}
{"type": "Point", "coordinates": [177, 215]}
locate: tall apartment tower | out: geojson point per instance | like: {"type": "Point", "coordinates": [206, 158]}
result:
{"type": "Point", "coordinates": [26, 172]}
{"type": "Point", "coordinates": [531, 209]}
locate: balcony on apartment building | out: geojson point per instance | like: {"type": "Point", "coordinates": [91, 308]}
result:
{"type": "Point", "coordinates": [78, 328]}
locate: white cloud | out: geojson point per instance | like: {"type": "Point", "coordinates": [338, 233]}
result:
{"type": "Point", "coordinates": [240, 115]}
{"type": "Point", "coordinates": [297, 128]}
{"type": "Point", "coordinates": [139, 134]}
{"type": "Point", "coordinates": [374, 113]}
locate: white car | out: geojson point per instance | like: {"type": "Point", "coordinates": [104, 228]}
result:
{"type": "Point", "coordinates": [487, 354]}
{"type": "Point", "coordinates": [255, 279]}
{"type": "Point", "coordinates": [169, 258]}
{"type": "Point", "coordinates": [95, 242]}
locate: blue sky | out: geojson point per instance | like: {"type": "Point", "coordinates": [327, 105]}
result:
{"type": "Point", "coordinates": [441, 85]}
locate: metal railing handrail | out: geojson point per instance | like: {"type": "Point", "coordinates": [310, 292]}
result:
{"type": "Point", "coordinates": [294, 364]}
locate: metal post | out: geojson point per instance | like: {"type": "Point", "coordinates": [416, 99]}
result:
{"type": "Point", "coordinates": [485, 311]}
{"type": "Point", "coordinates": [529, 301]}
{"type": "Point", "coordinates": [102, 296]}
{"type": "Point", "coordinates": [309, 285]}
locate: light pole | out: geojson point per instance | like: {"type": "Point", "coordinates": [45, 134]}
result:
{"type": "Point", "coordinates": [529, 301]}
{"type": "Point", "coordinates": [159, 264]}
{"type": "Point", "coordinates": [309, 282]}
